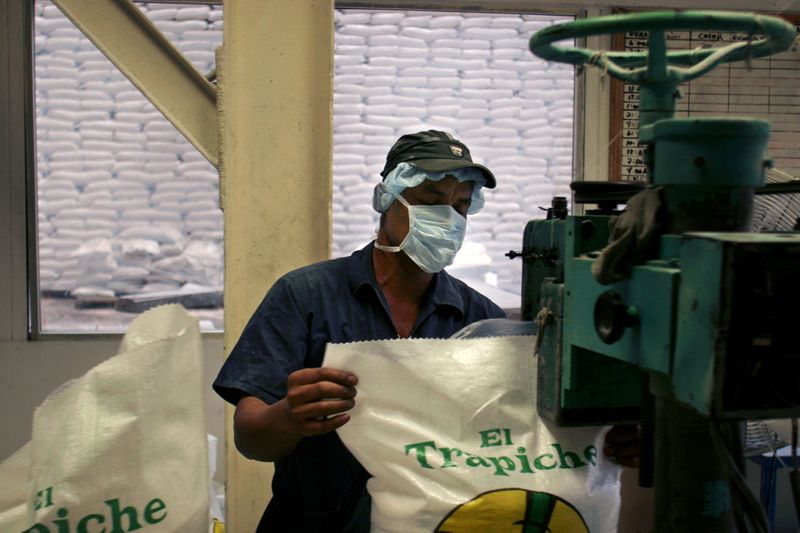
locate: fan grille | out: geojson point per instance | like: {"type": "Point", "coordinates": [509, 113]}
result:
{"type": "Point", "coordinates": [776, 212]}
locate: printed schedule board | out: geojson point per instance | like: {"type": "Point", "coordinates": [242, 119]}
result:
{"type": "Point", "coordinates": [767, 89]}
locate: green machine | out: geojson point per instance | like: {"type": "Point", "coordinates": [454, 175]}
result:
{"type": "Point", "coordinates": [671, 314]}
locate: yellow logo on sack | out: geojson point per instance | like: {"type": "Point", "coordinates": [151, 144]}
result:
{"type": "Point", "coordinates": [514, 511]}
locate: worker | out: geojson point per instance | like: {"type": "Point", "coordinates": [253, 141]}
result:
{"type": "Point", "coordinates": [287, 405]}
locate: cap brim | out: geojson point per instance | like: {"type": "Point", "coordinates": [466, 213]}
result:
{"type": "Point", "coordinates": [443, 165]}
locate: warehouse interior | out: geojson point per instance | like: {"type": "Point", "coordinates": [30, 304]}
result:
{"type": "Point", "coordinates": [298, 101]}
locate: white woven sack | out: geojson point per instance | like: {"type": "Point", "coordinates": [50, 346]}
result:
{"type": "Point", "coordinates": [449, 431]}
{"type": "Point", "coordinates": [121, 448]}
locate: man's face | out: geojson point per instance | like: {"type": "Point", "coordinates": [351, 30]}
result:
{"type": "Point", "coordinates": [446, 191]}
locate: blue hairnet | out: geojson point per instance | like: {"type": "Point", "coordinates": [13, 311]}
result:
{"type": "Point", "coordinates": [404, 176]}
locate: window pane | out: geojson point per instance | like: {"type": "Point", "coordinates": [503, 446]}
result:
{"type": "Point", "coordinates": [127, 208]}
{"type": "Point", "coordinates": [469, 74]}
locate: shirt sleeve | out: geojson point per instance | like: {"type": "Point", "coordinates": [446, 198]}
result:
{"type": "Point", "coordinates": [495, 311]}
{"type": "Point", "coordinates": [273, 345]}
{"type": "Point", "coordinates": [483, 308]}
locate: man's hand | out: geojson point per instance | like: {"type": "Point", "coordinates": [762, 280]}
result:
{"type": "Point", "coordinates": [316, 402]}
{"type": "Point", "coordinates": [318, 399]}
{"type": "Point", "coordinates": [622, 445]}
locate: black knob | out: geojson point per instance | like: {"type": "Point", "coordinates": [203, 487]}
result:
{"type": "Point", "coordinates": [558, 208]}
{"type": "Point", "coordinates": [612, 316]}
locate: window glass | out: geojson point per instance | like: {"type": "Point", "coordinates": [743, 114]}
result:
{"type": "Point", "coordinates": [128, 210]}
{"type": "Point", "coordinates": [469, 74]}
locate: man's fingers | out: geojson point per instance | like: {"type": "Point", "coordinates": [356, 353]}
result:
{"type": "Point", "coordinates": [318, 397]}
{"type": "Point", "coordinates": [313, 375]}
{"type": "Point", "coordinates": [321, 409]}
{"type": "Point", "coordinates": [621, 434]}
{"type": "Point", "coordinates": [621, 450]}
{"type": "Point", "coordinates": [622, 445]}
{"type": "Point", "coordinates": [317, 391]}
{"type": "Point", "coordinates": [629, 461]}
{"type": "Point", "coordinates": [318, 427]}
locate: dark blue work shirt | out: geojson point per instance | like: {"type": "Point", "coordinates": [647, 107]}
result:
{"type": "Point", "coordinates": [320, 486]}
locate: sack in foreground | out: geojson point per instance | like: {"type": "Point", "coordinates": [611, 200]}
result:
{"type": "Point", "coordinates": [122, 448]}
{"type": "Point", "coordinates": [449, 431]}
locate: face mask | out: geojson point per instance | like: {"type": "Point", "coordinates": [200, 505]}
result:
{"type": "Point", "coordinates": [435, 234]}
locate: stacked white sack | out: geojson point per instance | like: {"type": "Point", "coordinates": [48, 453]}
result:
{"type": "Point", "coordinates": [121, 192]}
{"type": "Point", "coordinates": [471, 74]}
{"type": "Point", "coordinates": [394, 73]}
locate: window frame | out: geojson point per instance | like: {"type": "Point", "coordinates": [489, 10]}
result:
{"type": "Point", "coordinates": [18, 162]}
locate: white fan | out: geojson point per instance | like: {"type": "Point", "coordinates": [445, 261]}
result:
{"type": "Point", "coordinates": [777, 205]}
{"type": "Point", "coordinates": [776, 208]}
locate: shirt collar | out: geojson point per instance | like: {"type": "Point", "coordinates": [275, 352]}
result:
{"type": "Point", "coordinates": [443, 288]}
